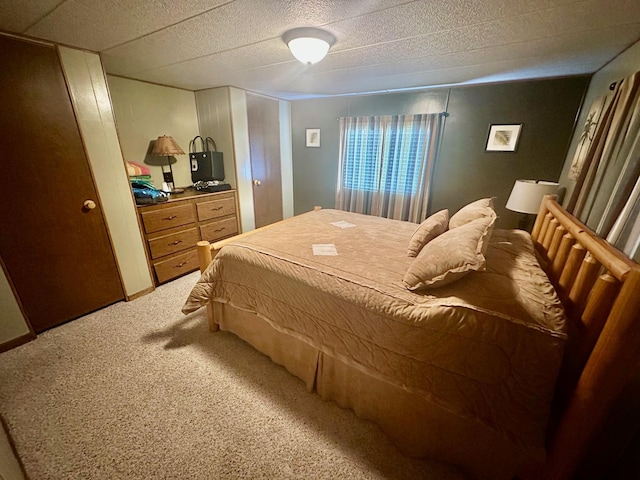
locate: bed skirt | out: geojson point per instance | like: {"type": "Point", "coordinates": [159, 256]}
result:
{"type": "Point", "coordinates": [417, 427]}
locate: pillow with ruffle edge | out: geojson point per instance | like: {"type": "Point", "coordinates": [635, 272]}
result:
{"type": "Point", "coordinates": [451, 255]}
{"type": "Point", "coordinates": [429, 229]}
{"type": "Point", "coordinates": [472, 211]}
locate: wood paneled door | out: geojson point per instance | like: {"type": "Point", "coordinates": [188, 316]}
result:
{"type": "Point", "coordinates": [53, 237]}
{"type": "Point", "coordinates": [263, 116]}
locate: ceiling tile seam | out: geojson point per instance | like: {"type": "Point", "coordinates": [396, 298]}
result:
{"type": "Point", "coordinates": [503, 17]}
{"type": "Point", "coordinates": [270, 38]}
{"type": "Point", "coordinates": [468, 50]}
{"type": "Point", "coordinates": [106, 50]}
{"type": "Point", "coordinates": [380, 63]}
{"type": "Point", "coordinates": [372, 45]}
{"type": "Point", "coordinates": [453, 29]}
{"type": "Point", "coordinates": [371, 12]}
{"type": "Point", "coordinates": [44, 16]}
{"type": "Point", "coordinates": [200, 57]}
{"type": "Point", "coordinates": [616, 56]}
{"type": "Point", "coordinates": [167, 26]}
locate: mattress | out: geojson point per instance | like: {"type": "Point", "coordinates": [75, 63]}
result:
{"type": "Point", "coordinates": [486, 347]}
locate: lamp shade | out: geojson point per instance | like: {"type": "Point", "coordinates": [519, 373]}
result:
{"type": "Point", "coordinates": [309, 45]}
{"type": "Point", "coordinates": [527, 195]}
{"type": "Point", "coordinates": [166, 146]}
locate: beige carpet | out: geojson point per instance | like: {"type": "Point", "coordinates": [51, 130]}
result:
{"type": "Point", "coordinates": [139, 391]}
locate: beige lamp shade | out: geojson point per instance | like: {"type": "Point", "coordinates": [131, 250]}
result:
{"type": "Point", "coordinates": [166, 146]}
{"type": "Point", "coordinates": [527, 195]}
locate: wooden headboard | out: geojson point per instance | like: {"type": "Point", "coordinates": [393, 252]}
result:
{"type": "Point", "coordinates": [600, 289]}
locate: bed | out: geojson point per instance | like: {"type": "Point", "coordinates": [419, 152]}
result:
{"type": "Point", "coordinates": [492, 366]}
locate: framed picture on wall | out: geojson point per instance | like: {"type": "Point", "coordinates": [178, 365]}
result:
{"type": "Point", "coordinates": [503, 138]}
{"type": "Point", "coordinates": [313, 137]}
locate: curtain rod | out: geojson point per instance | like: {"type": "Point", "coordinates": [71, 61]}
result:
{"type": "Point", "coordinates": [444, 114]}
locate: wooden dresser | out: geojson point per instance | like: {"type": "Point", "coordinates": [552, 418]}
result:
{"type": "Point", "coordinates": [173, 228]}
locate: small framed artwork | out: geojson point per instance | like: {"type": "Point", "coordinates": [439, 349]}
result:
{"type": "Point", "coordinates": [503, 138]}
{"type": "Point", "coordinates": [313, 137]}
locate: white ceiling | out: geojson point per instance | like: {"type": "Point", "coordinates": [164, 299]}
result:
{"type": "Point", "coordinates": [382, 45]}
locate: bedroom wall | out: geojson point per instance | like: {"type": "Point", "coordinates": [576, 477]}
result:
{"type": "Point", "coordinates": [464, 171]}
{"type": "Point", "coordinates": [214, 119]}
{"type": "Point", "coordinates": [12, 323]}
{"type": "Point", "coordinates": [315, 170]}
{"type": "Point", "coordinates": [144, 112]}
{"type": "Point", "coordinates": [9, 466]}
{"type": "Point", "coordinates": [623, 65]}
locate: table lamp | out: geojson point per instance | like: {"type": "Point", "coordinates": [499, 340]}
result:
{"type": "Point", "coordinates": [526, 197]}
{"type": "Point", "coordinates": [167, 146]}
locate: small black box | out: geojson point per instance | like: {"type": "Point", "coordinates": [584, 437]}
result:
{"type": "Point", "coordinates": [206, 166]}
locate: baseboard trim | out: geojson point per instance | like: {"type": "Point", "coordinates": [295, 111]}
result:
{"type": "Point", "coordinates": [139, 294]}
{"type": "Point", "coordinates": [16, 342]}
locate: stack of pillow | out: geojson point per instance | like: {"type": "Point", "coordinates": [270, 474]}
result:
{"type": "Point", "coordinates": [446, 249]}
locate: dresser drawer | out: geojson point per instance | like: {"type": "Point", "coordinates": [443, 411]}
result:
{"type": "Point", "coordinates": [216, 230]}
{"type": "Point", "coordinates": [216, 208]}
{"type": "Point", "coordinates": [171, 230]}
{"type": "Point", "coordinates": [157, 220]}
{"type": "Point", "coordinates": [176, 266]}
{"type": "Point", "coordinates": [175, 242]}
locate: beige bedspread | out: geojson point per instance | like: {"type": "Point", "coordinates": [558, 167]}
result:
{"type": "Point", "coordinates": [487, 347]}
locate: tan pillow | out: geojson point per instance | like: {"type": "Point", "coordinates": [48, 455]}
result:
{"type": "Point", "coordinates": [451, 255]}
{"type": "Point", "coordinates": [429, 229]}
{"type": "Point", "coordinates": [478, 209]}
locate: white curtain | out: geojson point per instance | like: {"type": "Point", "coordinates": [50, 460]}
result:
{"type": "Point", "coordinates": [386, 164]}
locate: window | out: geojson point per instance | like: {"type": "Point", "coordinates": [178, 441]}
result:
{"type": "Point", "coordinates": [386, 164]}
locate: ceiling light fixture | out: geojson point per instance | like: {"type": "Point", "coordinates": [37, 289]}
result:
{"type": "Point", "coordinates": [308, 44]}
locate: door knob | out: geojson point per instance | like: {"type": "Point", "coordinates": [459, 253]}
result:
{"type": "Point", "coordinates": [89, 204]}
{"type": "Point", "coordinates": [256, 183]}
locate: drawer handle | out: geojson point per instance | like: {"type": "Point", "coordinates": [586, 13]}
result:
{"type": "Point", "coordinates": [170, 217]}
{"type": "Point", "coordinates": [181, 264]}
{"type": "Point", "coordinates": [219, 229]}
{"type": "Point", "coordinates": [217, 208]}
{"type": "Point", "coordinates": [176, 242]}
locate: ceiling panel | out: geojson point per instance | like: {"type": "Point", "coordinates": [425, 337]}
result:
{"type": "Point", "coordinates": [228, 28]}
{"type": "Point", "coordinates": [381, 44]}
{"type": "Point", "coordinates": [99, 24]}
{"type": "Point", "coordinates": [18, 15]}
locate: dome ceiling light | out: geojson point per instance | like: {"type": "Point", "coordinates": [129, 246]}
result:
{"type": "Point", "coordinates": [308, 44]}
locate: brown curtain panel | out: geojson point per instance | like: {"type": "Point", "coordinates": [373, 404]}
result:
{"type": "Point", "coordinates": [606, 193]}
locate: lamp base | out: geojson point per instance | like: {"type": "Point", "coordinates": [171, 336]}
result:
{"type": "Point", "coordinates": [177, 190]}
{"type": "Point", "coordinates": [526, 222]}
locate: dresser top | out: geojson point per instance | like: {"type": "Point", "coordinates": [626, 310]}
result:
{"type": "Point", "coordinates": [188, 193]}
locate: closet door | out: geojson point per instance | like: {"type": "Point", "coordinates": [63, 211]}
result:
{"type": "Point", "coordinates": [53, 237]}
{"type": "Point", "coordinates": [263, 116]}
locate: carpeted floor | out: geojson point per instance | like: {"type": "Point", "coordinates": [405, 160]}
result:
{"type": "Point", "coordinates": [139, 391]}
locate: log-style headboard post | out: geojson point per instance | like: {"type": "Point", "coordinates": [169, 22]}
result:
{"type": "Point", "coordinates": [613, 359]}
{"type": "Point", "coordinates": [599, 287]}
{"type": "Point", "coordinates": [204, 255]}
